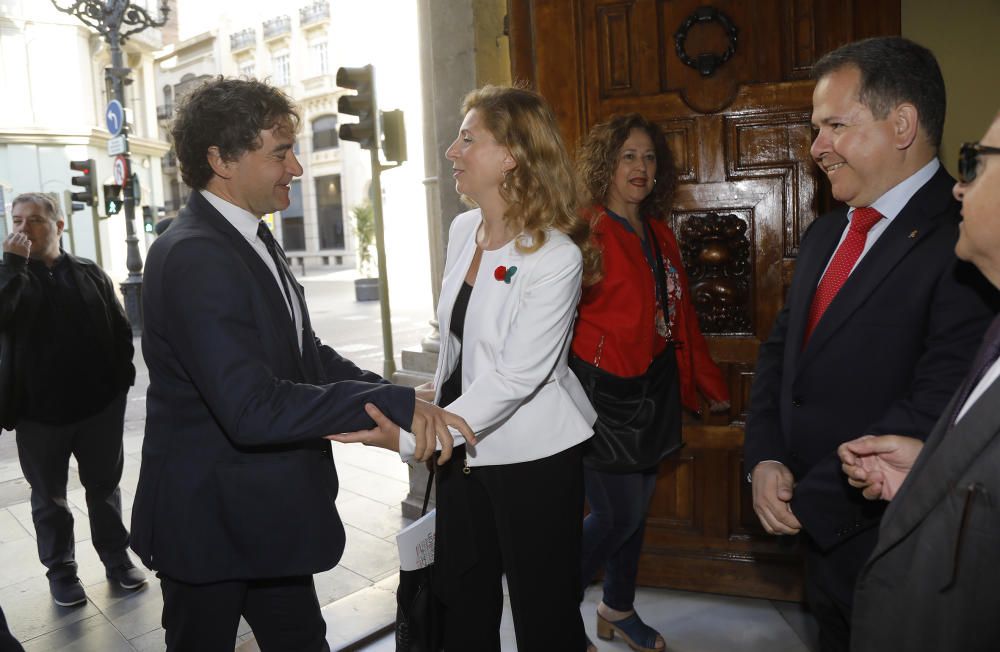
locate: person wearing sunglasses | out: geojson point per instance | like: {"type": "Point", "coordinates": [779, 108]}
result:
{"type": "Point", "coordinates": [880, 322]}
{"type": "Point", "coordinates": [944, 518]}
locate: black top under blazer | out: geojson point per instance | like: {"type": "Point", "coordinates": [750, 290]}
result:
{"type": "Point", "coordinates": [236, 481]}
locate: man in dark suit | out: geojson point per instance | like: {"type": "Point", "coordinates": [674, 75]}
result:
{"type": "Point", "coordinates": [880, 321]}
{"type": "Point", "coordinates": [235, 502]}
{"type": "Point", "coordinates": [931, 583]}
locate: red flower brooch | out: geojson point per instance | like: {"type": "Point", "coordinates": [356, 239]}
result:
{"type": "Point", "coordinates": [504, 274]}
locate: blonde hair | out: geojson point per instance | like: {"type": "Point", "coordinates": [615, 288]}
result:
{"type": "Point", "coordinates": [540, 190]}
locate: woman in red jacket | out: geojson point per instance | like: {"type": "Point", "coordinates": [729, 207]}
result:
{"type": "Point", "coordinates": [637, 320]}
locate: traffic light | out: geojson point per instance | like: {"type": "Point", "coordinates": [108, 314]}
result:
{"type": "Point", "coordinates": [361, 104]}
{"type": "Point", "coordinates": [85, 181]}
{"type": "Point", "coordinates": [112, 199]}
{"type": "Point", "coordinates": [394, 136]}
{"type": "Point", "coordinates": [147, 219]}
{"type": "Point", "coordinates": [71, 206]}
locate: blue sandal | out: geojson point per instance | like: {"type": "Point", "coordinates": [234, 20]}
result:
{"type": "Point", "coordinates": [639, 636]}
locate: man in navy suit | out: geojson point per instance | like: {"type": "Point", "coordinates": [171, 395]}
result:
{"type": "Point", "coordinates": [880, 322]}
{"type": "Point", "coordinates": [235, 502]}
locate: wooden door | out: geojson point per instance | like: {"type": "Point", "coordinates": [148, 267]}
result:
{"type": "Point", "coordinates": [738, 123]}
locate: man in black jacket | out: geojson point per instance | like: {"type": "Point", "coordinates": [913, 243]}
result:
{"type": "Point", "coordinates": [69, 346]}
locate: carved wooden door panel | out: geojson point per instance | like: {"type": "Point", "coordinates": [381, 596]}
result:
{"type": "Point", "coordinates": [729, 83]}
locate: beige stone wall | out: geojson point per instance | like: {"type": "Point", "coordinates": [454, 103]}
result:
{"type": "Point", "coordinates": [492, 46]}
{"type": "Point", "coordinates": [964, 35]}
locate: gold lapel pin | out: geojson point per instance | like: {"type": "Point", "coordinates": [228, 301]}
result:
{"type": "Point", "coordinates": [913, 234]}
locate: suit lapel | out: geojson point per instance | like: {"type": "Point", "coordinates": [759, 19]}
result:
{"type": "Point", "coordinates": [916, 221]}
{"type": "Point", "coordinates": [948, 454]}
{"type": "Point", "coordinates": [273, 296]}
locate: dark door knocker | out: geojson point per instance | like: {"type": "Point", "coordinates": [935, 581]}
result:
{"type": "Point", "coordinates": [707, 62]}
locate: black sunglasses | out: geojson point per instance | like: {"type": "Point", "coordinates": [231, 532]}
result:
{"type": "Point", "coordinates": [968, 160]}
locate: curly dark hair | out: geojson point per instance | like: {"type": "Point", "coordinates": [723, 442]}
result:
{"type": "Point", "coordinates": [893, 70]}
{"type": "Point", "coordinates": [597, 160]}
{"type": "Point", "coordinates": [229, 114]}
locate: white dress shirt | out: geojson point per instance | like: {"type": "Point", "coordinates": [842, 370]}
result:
{"type": "Point", "coordinates": [990, 377]}
{"type": "Point", "coordinates": [889, 206]}
{"type": "Point", "coordinates": [246, 223]}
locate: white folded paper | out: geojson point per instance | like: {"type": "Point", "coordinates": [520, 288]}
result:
{"type": "Point", "coordinates": [416, 543]}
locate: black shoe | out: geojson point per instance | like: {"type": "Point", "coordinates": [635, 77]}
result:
{"type": "Point", "coordinates": [127, 575]}
{"type": "Point", "coordinates": [67, 591]}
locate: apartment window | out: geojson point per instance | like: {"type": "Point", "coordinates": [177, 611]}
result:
{"type": "Point", "coordinates": [281, 69]}
{"type": "Point", "coordinates": [293, 232]}
{"type": "Point", "coordinates": [325, 133]}
{"type": "Point", "coordinates": [317, 57]}
{"type": "Point", "coordinates": [330, 212]}
{"type": "Point", "coordinates": [247, 69]}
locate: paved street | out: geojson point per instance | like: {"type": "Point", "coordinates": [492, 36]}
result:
{"type": "Point", "coordinates": [373, 483]}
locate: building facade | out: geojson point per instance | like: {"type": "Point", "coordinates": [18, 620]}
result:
{"type": "Point", "coordinates": [292, 49]}
{"type": "Point", "coordinates": [53, 78]}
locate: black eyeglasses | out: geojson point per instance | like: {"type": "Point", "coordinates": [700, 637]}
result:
{"type": "Point", "coordinates": [968, 160]}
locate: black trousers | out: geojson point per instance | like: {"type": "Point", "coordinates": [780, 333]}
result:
{"type": "Point", "coordinates": [519, 520]}
{"type": "Point", "coordinates": [44, 451]}
{"type": "Point", "coordinates": [283, 613]}
{"type": "Point", "coordinates": [829, 586]}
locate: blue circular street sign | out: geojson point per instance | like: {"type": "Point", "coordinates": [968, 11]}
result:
{"type": "Point", "coordinates": [114, 117]}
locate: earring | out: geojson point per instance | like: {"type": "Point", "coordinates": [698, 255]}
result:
{"type": "Point", "coordinates": [505, 184]}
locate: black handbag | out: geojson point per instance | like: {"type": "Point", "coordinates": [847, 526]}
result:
{"type": "Point", "coordinates": [419, 613]}
{"type": "Point", "coordinates": [638, 417]}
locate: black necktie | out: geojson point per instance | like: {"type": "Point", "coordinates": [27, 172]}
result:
{"type": "Point", "coordinates": [280, 265]}
{"type": "Point", "coordinates": [985, 357]}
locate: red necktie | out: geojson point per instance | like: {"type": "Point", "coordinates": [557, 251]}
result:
{"type": "Point", "coordinates": [841, 264]}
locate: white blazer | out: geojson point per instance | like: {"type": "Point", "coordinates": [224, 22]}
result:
{"type": "Point", "coordinates": [518, 395]}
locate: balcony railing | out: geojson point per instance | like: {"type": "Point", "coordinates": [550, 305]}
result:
{"type": "Point", "coordinates": [317, 12]}
{"type": "Point", "coordinates": [169, 161]}
{"type": "Point", "coordinates": [277, 27]}
{"type": "Point", "coordinates": [242, 40]}
{"type": "Point", "coordinates": [164, 111]}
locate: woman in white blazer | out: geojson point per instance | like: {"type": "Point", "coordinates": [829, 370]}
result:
{"type": "Point", "coordinates": [512, 504]}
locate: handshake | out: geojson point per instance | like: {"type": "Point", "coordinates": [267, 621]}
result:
{"type": "Point", "coordinates": [431, 429]}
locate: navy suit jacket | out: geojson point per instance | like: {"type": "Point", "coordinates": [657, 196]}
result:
{"type": "Point", "coordinates": [236, 481]}
{"type": "Point", "coordinates": [886, 356]}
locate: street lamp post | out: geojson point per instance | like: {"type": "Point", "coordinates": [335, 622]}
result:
{"type": "Point", "coordinates": [116, 20]}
